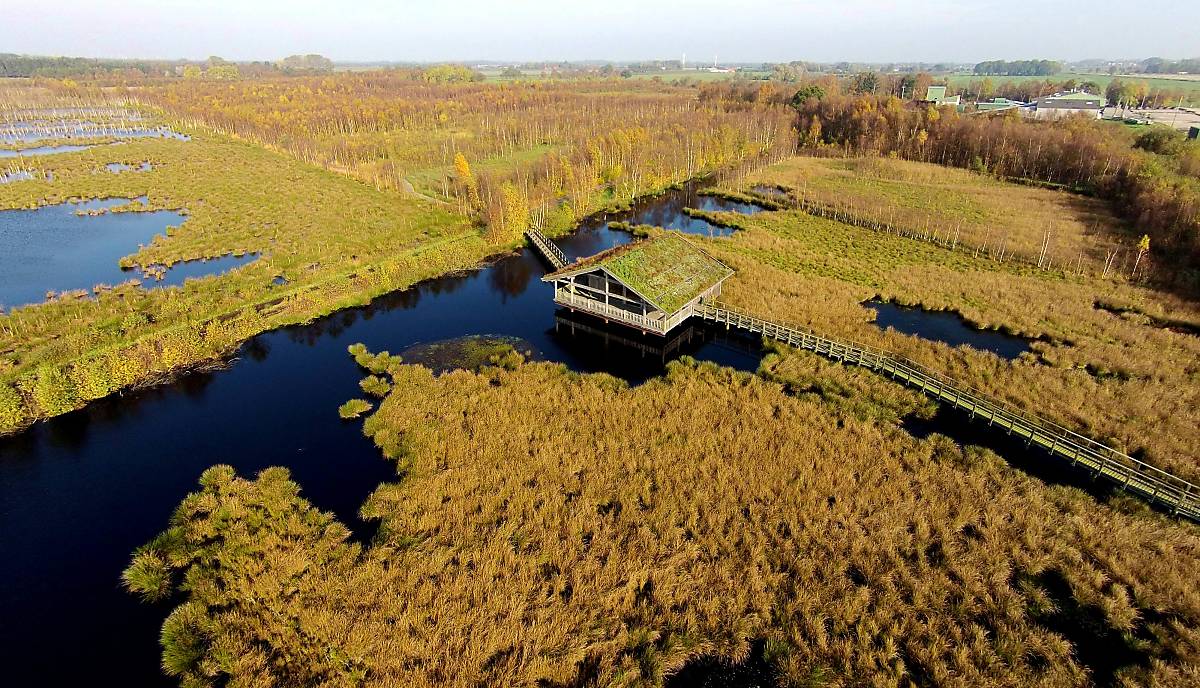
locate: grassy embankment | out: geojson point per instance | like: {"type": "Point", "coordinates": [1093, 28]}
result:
{"type": "Point", "coordinates": [336, 241]}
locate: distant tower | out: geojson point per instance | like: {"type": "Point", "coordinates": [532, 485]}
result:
{"type": "Point", "coordinates": [714, 61]}
{"type": "Point", "coordinates": [683, 62]}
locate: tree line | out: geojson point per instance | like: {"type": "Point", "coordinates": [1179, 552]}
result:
{"type": "Point", "coordinates": [1158, 194]}
{"type": "Point", "coordinates": [1019, 67]}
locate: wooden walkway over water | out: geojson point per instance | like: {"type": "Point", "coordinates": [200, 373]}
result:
{"type": "Point", "coordinates": [1137, 477]}
{"type": "Point", "coordinates": [553, 254]}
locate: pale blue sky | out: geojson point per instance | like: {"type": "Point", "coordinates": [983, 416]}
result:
{"type": "Point", "coordinates": [734, 30]}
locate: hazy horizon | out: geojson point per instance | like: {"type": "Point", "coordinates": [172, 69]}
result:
{"type": "Point", "coordinates": [619, 30]}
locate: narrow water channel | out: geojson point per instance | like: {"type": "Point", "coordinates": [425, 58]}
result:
{"type": "Point", "coordinates": [80, 492]}
{"type": "Point", "coordinates": [41, 150]}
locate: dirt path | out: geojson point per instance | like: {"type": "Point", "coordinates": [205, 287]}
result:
{"type": "Point", "coordinates": [407, 187]}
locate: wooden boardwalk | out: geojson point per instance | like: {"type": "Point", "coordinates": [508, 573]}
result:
{"type": "Point", "coordinates": [553, 254]}
{"type": "Point", "coordinates": [1137, 477]}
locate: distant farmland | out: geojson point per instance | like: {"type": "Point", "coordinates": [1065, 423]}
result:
{"type": "Point", "coordinates": [1174, 82]}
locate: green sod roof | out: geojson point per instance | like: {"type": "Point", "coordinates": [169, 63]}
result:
{"type": "Point", "coordinates": [1074, 96]}
{"type": "Point", "coordinates": [668, 270]}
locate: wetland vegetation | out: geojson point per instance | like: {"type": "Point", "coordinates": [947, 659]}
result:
{"type": "Point", "coordinates": [620, 510]}
{"type": "Point", "coordinates": [865, 553]}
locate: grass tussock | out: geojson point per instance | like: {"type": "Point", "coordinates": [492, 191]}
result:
{"type": "Point", "coordinates": [554, 528]}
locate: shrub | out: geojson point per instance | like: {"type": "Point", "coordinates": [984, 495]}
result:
{"type": "Point", "coordinates": [354, 408]}
{"type": "Point", "coordinates": [12, 409]}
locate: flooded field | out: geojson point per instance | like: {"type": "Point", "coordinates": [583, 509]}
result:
{"type": "Point", "coordinates": [16, 176]}
{"type": "Point", "coordinates": [41, 150]}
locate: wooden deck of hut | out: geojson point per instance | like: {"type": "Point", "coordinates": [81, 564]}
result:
{"type": "Point", "coordinates": [651, 285]}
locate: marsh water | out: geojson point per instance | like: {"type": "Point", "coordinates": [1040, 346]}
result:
{"type": "Point", "coordinates": [56, 248]}
{"type": "Point", "coordinates": [65, 247]}
{"type": "Point", "coordinates": [667, 211]}
{"type": "Point", "coordinates": [178, 273]}
{"type": "Point", "coordinates": [33, 131]}
{"type": "Point", "coordinates": [42, 150]}
{"type": "Point", "coordinates": [948, 328]}
{"type": "Point", "coordinates": [80, 492]}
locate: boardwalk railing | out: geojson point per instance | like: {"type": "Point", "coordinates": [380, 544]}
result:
{"type": "Point", "coordinates": [549, 251]}
{"type": "Point", "coordinates": [1176, 494]}
{"type": "Point", "coordinates": [603, 310]}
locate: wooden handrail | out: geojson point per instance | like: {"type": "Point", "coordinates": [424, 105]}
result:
{"type": "Point", "coordinates": [1138, 477]}
{"type": "Point", "coordinates": [604, 310]}
{"type": "Point", "coordinates": [552, 253]}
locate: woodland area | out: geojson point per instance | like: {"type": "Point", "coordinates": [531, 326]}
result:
{"type": "Point", "coordinates": [506, 154]}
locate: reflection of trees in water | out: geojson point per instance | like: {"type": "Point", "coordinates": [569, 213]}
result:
{"type": "Point", "coordinates": [511, 276]}
{"type": "Point", "coordinates": [70, 431]}
{"type": "Point", "coordinates": [257, 349]}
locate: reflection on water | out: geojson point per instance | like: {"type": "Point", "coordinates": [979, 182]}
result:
{"type": "Point", "coordinates": [667, 211]}
{"type": "Point", "coordinates": [946, 327]}
{"type": "Point", "coordinates": [80, 492]}
{"type": "Point", "coordinates": [472, 352]}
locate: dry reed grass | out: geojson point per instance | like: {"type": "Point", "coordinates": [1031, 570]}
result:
{"type": "Point", "coordinates": [554, 529]}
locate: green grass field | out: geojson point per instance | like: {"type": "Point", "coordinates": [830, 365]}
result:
{"type": "Point", "coordinates": [1191, 86]}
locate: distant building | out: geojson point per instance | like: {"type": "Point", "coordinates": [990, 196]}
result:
{"type": "Point", "coordinates": [936, 96]}
{"type": "Point", "coordinates": [1070, 103]}
{"type": "Point", "coordinates": [996, 104]}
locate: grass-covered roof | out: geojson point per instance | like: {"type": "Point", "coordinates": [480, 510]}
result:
{"type": "Point", "coordinates": [668, 270]}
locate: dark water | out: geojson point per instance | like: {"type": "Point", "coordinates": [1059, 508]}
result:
{"type": "Point", "coordinates": [755, 671]}
{"type": "Point", "coordinates": [54, 249]}
{"type": "Point", "coordinates": [949, 328]}
{"type": "Point", "coordinates": [80, 492]}
{"type": "Point", "coordinates": [472, 352]}
{"type": "Point", "coordinates": [667, 211]}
